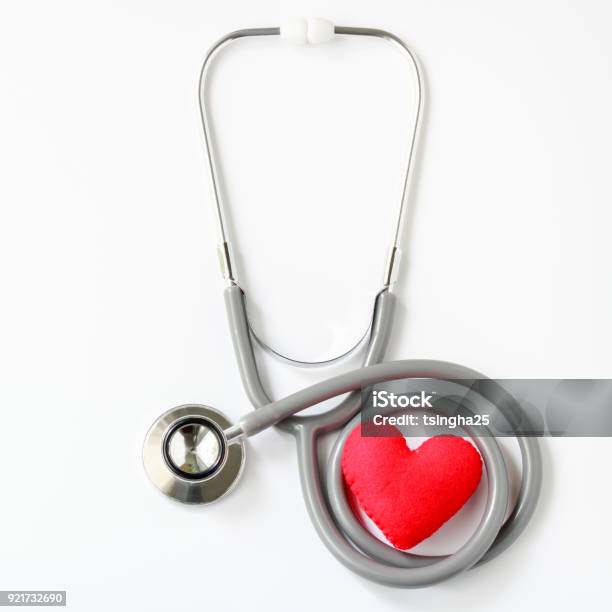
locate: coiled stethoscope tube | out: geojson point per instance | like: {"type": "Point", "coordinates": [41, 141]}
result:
{"type": "Point", "coordinates": [346, 538]}
{"type": "Point", "coordinates": [173, 448]}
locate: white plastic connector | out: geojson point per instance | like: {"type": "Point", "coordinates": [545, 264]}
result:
{"type": "Point", "coordinates": [312, 30]}
{"type": "Point", "coordinates": [319, 30]}
{"type": "Point", "coordinates": [295, 31]}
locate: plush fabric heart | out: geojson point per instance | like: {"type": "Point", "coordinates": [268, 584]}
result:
{"type": "Point", "coordinates": [410, 494]}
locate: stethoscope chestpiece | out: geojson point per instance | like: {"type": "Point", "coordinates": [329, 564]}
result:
{"type": "Point", "coordinates": [187, 456]}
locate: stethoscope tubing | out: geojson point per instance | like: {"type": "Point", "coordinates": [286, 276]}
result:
{"type": "Point", "coordinates": [339, 529]}
{"type": "Point", "coordinates": [361, 552]}
{"type": "Point", "coordinates": [281, 412]}
{"type": "Point", "coordinates": [505, 535]}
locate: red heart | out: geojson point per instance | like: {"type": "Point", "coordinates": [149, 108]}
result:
{"type": "Point", "coordinates": [410, 494]}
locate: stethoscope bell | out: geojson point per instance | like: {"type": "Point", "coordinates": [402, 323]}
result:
{"type": "Point", "coordinates": [187, 456]}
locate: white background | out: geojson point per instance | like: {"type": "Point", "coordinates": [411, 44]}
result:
{"type": "Point", "coordinates": [112, 311]}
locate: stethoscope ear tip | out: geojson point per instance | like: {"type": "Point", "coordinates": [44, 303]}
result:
{"type": "Point", "coordinates": [188, 457]}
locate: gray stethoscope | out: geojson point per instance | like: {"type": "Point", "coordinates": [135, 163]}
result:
{"type": "Point", "coordinates": [194, 453]}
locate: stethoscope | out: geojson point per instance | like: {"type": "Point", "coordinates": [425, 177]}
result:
{"type": "Point", "coordinates": [195, 454]}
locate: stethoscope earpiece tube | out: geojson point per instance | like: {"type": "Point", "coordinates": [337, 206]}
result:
{"type": "Point", "coordinates": [314, 31]}
{"type": "Point", "coordinates": [256, 421]}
